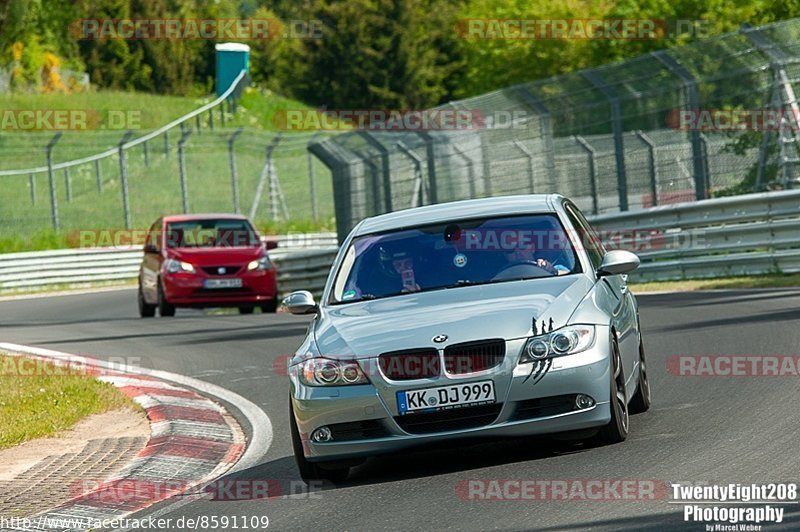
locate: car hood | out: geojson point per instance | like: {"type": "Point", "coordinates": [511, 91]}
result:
{"type": "Point", "coordinates": [502, 310]}
{"type": "Point", "coordinates": [216, 256]}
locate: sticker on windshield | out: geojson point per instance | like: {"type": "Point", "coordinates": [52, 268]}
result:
{"type": "Point", "coordinates": [350, 294]}
{"type": "Point", "coordinates": [460, 260]}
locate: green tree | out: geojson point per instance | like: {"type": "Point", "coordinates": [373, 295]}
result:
{"type": "Point", "coordinates": [373, 53]}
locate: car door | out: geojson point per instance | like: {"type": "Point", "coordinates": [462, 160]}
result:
{"type": "Point", "coordinates": [151, 262]}
{"type": "Point", "coordinates": [624, 312]}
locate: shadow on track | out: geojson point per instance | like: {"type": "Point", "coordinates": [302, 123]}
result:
{"type": "Point", "coordinates": [424, 462]}
{"type": "Point", "coordinates": [196, 336]}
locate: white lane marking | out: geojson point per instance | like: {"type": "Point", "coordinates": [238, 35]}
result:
{"type": "Point", "coordinates": [151, 400]}
{"type": "Point", "coordinates": [120, 381]}
{"type": "Point", "coordinates": [260, 424]}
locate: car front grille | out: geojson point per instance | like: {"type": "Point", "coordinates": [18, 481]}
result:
{"type": "Point", "coordinates": [545, 406]}
{"type": "Point", "coordinates": [410, 364]}
{"type": "Point", "coordinates": [468, 417]}
{"type": "Point", "coordinates": [358, 430]}
{"type": "Point", "coordinates": [471, 357]}
{"type": "Point", "coordinates": [228, 270]}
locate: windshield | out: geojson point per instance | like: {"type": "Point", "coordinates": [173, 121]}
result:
{"type": "Point", "coordinates": [211, 233]}
{"type": "Point", "coordinates": [454, 254]}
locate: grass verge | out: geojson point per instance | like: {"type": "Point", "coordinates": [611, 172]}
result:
{"type": "Point", "coordinates": [754, 281]}
{"type": "Point", "coordinates": [49, 400]}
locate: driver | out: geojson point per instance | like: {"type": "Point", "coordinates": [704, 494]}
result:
{"type": "Point", "coordinates": [398, 265]}
{"type": "Point", "coordinates": [393, 273]}
{"type": "Point", "coordinates": [526, 253]}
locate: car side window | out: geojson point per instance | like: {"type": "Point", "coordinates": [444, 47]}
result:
{"type": "Point", "coordinates": [588, 238]}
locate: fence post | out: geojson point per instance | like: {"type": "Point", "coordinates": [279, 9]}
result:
{"type": "Point", "coordinates": [210, 119]}
{"type": "Point", "coordinates": [704, 146]}
{"type": "Point", "coordinates": [32, 181]}
{"type": "Point", "coordinates": [53, 197]}
{"type": "Point", "coordinates": [592, 162]}
{"type": "Point", "coordinates": [123, 174]}
{"type": "Point", "coordinates": [386, 169]}
{"type": "Point", "coordinates": [166, 144]}
{"type": "Point", "coordinates": [373, 174]}
{"type": "Point", "coordinates": [146, 153]}
{"type": "Point", "coordinates": [68, 184]}
{"type": "Point", "coordinates": [786, 95]}
{"type": "Point", "coordinates": [699, 165]}
{"type": "Point", "coordinates": [344, 204]}
{"type": "Point", "coordinates": [525, 151]}
{"type": "Point", "coordinates": [546, 132]}
{"type": "Point", "coordinates": [651, 151]}
{"type": "Point", "coordinates": [430, 153]}
{"type": "Point", "coordinates": [470, 170]}
{"type": "Point", "coordinates": [98, 175]}
{"type": "Point", "coordinates": [312, 182]}
{"type": "Point", "coordinates": [616, 125]}
{"type": "Point", "coordinates": [197, 123]}
{"type": "Point", "coordinates": [182, 171]}
{"type": "Point", "coordinates": [266, 173]}
{"type": "Point", "coordinates": [222, 113]}
{"type": "Point", "coordinates": [486, 162]}
{"type": "Point", "coordinates": [232, 164]}
{"type": "Point", "coordinates": [419, 186]}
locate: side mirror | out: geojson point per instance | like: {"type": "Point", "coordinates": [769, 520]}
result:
{"type": "Point", "coordinates": [618, 262]}
{"type": "Point", "coordinates": [150, 248]}
{"type": "Point", "coordinates": [300, 302]}
{"type": "Point", "coordinates": [270, 243]}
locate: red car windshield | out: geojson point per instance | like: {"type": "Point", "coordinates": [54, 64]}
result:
{"type": "Point", "coordinates": [211, 233]}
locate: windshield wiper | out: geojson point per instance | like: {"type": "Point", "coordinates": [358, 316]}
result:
{"type": "Point", "coordinates": [464, 282]}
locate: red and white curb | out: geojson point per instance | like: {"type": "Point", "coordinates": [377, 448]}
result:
{"type": "Point", "coordinates": [193, 441]}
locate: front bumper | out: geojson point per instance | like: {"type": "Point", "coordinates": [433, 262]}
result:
{"type": "Point", "coordinates": [365, 421]}
{"type": "Point", "coordinates": [185, 289]}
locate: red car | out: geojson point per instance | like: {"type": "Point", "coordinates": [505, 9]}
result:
{"type": "Point", "coordinates": [205, 260]}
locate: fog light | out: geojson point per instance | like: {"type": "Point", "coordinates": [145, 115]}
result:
{"type": "Point", "coordinates": [583, 401]}
{"type": "Point", "coordinates": [322, 434]}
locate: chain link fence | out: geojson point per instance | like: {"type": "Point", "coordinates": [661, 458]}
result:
{"type": "Point", "coordinates": [619, 137]}
{"type": "Point", "coordinates": [125, 180]}
{"type": "Point", "coordinates": [630, 135]}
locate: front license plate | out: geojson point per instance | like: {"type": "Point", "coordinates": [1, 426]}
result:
{"type": "Point", "coordinates": [446, 397]}
{"type": "Point", "coordinates": [222, 283]}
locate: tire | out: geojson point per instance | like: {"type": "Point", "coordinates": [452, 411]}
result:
{"type": "Point", "coordinates": [245, 310]}
{"type": "Point", "coordinates": [146, 310]}
{"type": "Point", "coordinates": [312, 470]}
{"type": "Point", "coordinates": [270, 307]}
{"type": "Point", "coordinates": [641, 400]}
{"type": "Point", "coordinates": [616, 430]}
{"type": "Point", "coordinates": [165, 310]}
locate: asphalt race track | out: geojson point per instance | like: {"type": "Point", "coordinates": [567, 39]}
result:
{"type": "Point", "coordinates": [700, 429]}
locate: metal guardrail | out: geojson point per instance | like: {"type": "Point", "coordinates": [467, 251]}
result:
{"type": "Point", "coordinates": [742, 235]}
{"type": "Point", "coordinates": [296, 264]}
{"type": "Point", "coordinates": [135, 142]}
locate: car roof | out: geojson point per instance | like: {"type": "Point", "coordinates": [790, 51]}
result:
{"type": "Point", "coordinates": [210, 216]}
{"type": "Point", "coordinates": [455, 210]}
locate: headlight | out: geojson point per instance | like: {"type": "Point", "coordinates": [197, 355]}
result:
{"type": "Point", "coordinates": [260, 264]}
{"type": "Point", "coordinates": [565, 341]}
{"type": "Point", "coordinates": [175, 266]}
{"type": "Point", "coordinates": [326, 372]}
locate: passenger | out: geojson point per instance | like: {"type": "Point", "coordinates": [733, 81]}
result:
{"type": "Point", "coordinates": [525, 253]}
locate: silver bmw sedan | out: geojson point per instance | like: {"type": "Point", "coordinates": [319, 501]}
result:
{"type": "Point", "coordinates": [493, 317]}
